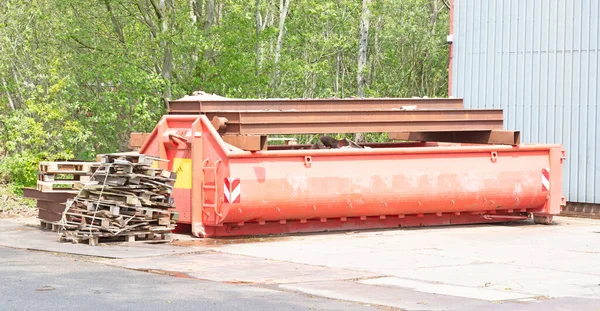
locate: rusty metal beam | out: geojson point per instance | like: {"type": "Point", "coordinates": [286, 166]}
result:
{"type": "Point", "coordinates": [195, 106]}
{"type": "Point", "coordinates": [583, 210]}
{"type": "Point", "coordinates": [50, 205]}
{"type": "Point", "coordinates": [498, 137]}
{"type": "Point", "coordinates": [315, 122]}
{"type": "Point", "coordinates": [136, 140]}
{"type": "Point", "coordinates": [54, 196]}
{"type": "Point", "coordinates": [247, 142]}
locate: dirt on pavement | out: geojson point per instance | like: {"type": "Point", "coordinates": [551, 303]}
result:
{"type": "Point", "coordinates": [14, 206]}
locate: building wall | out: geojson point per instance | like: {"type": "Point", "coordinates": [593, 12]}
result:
{"type": "Point", "coordinates": [538, 60]}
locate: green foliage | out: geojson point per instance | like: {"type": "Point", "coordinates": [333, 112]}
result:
{"type": "Point", "coordinates": [77, 77]}
{"type": "Point", "coordinates": [20, 171]}
{"type": "Point", "coordinates": [41, 131]}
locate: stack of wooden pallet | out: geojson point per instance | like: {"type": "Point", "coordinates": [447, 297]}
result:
{"type": "Point", "coordinates": [56, 183]}
{"type": "Point", "coordinates": [131, 201]}
{"type": "Point", "coordinates": [62, 176]}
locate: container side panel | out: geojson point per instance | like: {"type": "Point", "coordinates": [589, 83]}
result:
{"type": "Point", "coordinates": [352, 186]}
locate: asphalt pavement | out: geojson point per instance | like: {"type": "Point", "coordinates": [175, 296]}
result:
{"type": "Point", "coordinates": [34, 280]}
{"type": "Point", "coordinates": [499, 267]}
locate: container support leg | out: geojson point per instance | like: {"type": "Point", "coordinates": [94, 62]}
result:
{"type": "Point", "coordinates": [198, 229]}
{"type": "Point", "coordinates": [555, 200]}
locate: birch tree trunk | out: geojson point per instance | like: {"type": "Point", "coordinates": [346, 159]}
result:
{"type": "Point", "coordinates": [195, 16]}
{"type": "Point", "coordinates": [363, 40]}
{"type": "Point", "coordinates": [211, 19]}
{"type": "Point", "coordinates": [210, 15]}
{"type": "Point", "coordinates": [162, 10]}
{"type": "Point", "coordinates": [10, 101]}
{"type": "Point", "coordinates": [117, 26]}
{"type": "Point", "coordinates": [435, 12]}
{"type": "Point", "coordinates": [336, 84]}
{"type": "Point", "coordinates": [284, 6]}
{"type": "Point", "coordinates": [258, 21]}
{"type": "Point", "coordinates": [195, 10]}
{"type": "Point", "coordinates": [376, 54]}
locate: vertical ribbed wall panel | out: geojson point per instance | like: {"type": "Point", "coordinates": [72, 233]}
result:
{"type": "Point", "coordinates": [538, 60]}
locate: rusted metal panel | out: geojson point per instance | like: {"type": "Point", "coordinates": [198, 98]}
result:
{"type": "Point", "coordinates": [55, 196]}
{"type": "Point", "coordinates": [498, 137]}
{"type": "Point", "coordinates": [136, 140]}
{"type": "Point", "coordinates": [187, 106]}
{"type": "Point", "coordinates": [50, 211]}
{"type": "Point", "coordinates": [356, 223]}
{"type": "Point", "coordinates": [247, 142]}
{"type": "Point", "coordinates": [50, 204]}
{"type": "Point", "coordinates": [581, 210]}
{"type": "Point", "coordinates": [312, 122]}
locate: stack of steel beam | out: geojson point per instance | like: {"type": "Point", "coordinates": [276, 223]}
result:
{"type": "Point", "coordinates": [410, 119]}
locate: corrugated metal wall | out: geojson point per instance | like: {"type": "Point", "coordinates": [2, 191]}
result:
{"type": "Point", "coordinates": [538, 60]}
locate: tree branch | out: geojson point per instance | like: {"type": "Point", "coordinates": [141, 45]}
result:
{"type": "Point", "coordinates": [157, 10]}
{"type": "Point", "coordinates": [115, 22]}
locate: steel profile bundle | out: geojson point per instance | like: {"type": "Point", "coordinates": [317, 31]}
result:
{"type": "Point", "coordinates": [224, 190]}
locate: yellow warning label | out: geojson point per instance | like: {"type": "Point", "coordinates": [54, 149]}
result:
{"type": "Point", "coordinates": [183, 168]}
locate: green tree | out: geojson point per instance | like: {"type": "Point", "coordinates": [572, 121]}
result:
{"type": "Point", "coordinates": [77, 77]}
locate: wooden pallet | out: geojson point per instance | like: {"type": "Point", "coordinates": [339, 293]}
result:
{"type": "Point", "coordinates": [54, 225]}
{"type": "Point", "coordinates": [63, 176]}
{"type": "Point", "coordinates": [49, 225]}
{"type": "Point", "coordinates": [42, 176]}
{"type": "Point", "coordinates": [66, 167]}
{"type": "Point", "coordinates": [130, 237]}
{"type": "Point", "coordinates": [60, 185]}
{"type": "Point", "coordinates": [132, 157]}
{"type": "Point", "coordinates": [47, 186]}
{"type": "Point", "coordinates": [109, 195]}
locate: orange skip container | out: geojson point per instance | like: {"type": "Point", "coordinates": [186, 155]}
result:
{"type": "Point", "coordinates": [224, 191]}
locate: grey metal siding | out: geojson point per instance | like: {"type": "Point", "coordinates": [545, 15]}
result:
{"type": "Point", "coordinates": [538, 60]}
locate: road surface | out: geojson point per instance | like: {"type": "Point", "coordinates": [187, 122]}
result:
{"type": "Point", "coordinates": [510, 266]}
{"type": "Point", "coordinates": [33, 280]}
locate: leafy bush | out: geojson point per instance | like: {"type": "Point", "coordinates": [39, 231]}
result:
{"type": "Point", "coordinates": [40, 132]}
{"type": "Point", "coordinates": [19, 171]}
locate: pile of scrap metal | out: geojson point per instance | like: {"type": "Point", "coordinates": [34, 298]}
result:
{"type": "Point", "coordinates": [328, 142]}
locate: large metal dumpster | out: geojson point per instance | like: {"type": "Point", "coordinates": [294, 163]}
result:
{"type": "Point", "coordinates": [225, 191]}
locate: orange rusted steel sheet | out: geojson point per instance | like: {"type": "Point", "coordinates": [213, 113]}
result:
{"type": "Point", "coordinates": [224, 192]}
{"type": "Point", "coordinates": [190, 105]}
{"type": "Point", "coordinates": [50, 205]}
{"type": "Point", "coordinates": [584, 210]}
{"type": "Point", "coordinates": [313, 122]}
{"type": "Point", "coordinates": [247, 142]}
{"type": "Point", "coordinates": [499, 137]}
{"type": "Point", "coordinates": [136, 140]}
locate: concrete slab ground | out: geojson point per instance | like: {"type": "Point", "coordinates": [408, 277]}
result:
{"type": "Point", "coordinates": [220, 267]}
{"type": "Point", "coordinates": [519, 266]}
{"type": "Point", "coordinates": [506, 263]}
{"type": "Point", "coordinates": [25, 233]}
